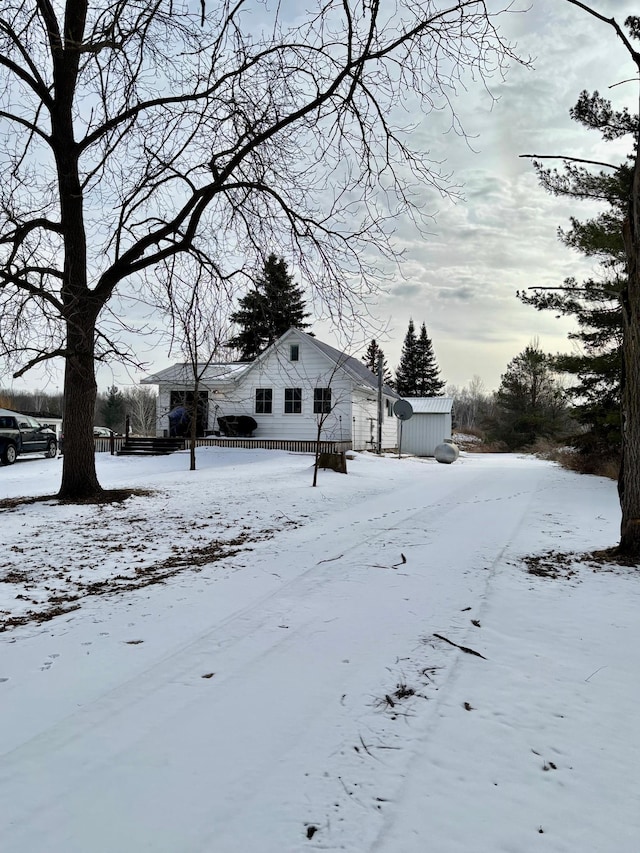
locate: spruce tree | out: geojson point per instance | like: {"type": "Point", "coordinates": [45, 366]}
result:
{"type": "Point", "coordinates": [370, 359]}
{"type": "Point", "coordinates": [428, 383]}
{"type": "Point", "coordinates": [266, 312]}
{"type": "Point", "coordinates": [407, 372]}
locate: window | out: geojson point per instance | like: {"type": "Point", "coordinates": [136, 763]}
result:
{"type": "Point", "coordinates": [293, 401]}
{"type": "Point", "coordinates": [321, 401]}
{"type": "Point", "coordinates": [389, 408]}
{"type": "Point", "coordinates": [264, 401]}
{"type": "Point", "coordinates": [294, 352]}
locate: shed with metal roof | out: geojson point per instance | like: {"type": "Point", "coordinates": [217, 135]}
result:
{"type": "Point", "coordinates": [429, 425]}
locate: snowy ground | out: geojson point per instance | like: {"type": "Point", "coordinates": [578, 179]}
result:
{"type": "Point", "coordinates": [243, 664]}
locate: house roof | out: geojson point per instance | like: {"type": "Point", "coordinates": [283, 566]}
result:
{"type": "Point", "coordinates": [430, 405]}
{"type": "Point", "coordinates": [182, 373]}
{"type": "Point", "coordinates": [352, 366]}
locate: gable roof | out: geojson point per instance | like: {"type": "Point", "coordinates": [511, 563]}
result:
{"type": "Point", "coordinates": [430, 405]}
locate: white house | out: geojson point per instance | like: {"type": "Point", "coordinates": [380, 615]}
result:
{"type": "Point", "coordinates": [429, 425]}
{"type": "Point", "coordinates": [296, 385]}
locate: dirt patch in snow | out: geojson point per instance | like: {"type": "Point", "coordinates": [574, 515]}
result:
{"type": "Point", "coordinates": [567, 565]}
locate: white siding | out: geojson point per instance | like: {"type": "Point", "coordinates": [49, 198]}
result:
{"type": "Point", "coordinates": [365, 422]}
{"type": "Point", "coordinates": [354, 411]}
{"type": "Point", "coordinates": [422, 433]}
{"type": "Point", "coordinates": [275, 371]}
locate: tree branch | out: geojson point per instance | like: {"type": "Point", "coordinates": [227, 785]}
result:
{"type": "Point", "coordinates": [635, 55]}
{"type": "Point", "coordinates": [569, 159]}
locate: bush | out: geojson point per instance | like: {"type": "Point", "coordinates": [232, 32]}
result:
{"type": "Point", "coordinates": [474, 440]}
{"type": "Point", "coordinates": [600, 464]}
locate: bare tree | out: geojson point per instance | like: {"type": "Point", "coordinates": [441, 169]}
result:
{"type": "Point", "coordinates": [140, 404]}
{"type": "Point", "coordinates": [327, 395]}
{"type": "Point", "coordinates": [471, 402]}
{"type": "Point", "coordinates": [138, 131]}
{"type": "Point", "coordinates": [200, 328]}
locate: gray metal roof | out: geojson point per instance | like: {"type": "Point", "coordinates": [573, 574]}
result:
{"type": "Point", "coordinates": [182, 373]}
{"type": "Point", "coordinates": [430, 405]}
{"type": "Point", "coordinates": [355, 368]}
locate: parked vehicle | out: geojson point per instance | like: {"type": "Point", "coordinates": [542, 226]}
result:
{"type": "Point", "coordinates": [103, 432]}
{"type": "Point", "coordinates": [22, 434]}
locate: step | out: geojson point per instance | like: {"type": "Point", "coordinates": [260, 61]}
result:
{"type": "Point", "coordinates": [150, 446]}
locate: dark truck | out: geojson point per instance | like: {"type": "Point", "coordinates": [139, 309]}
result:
{"type": "Point", "coordinates": [22, 434]}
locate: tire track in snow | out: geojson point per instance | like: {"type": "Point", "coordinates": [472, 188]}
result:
{"type": "Point", "coordinates": [248, 641]}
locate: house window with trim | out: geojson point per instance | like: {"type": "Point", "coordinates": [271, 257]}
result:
{"type": "Point", "coordinates": [389, 408]}
{"type": "Point", "coordinates": [294, 352]}
{"type": "Point", "coordinates": [321, 401]}
{"type": "Point", "coordinates": [293, 401]}
{"type": "Point", "coordinates": [264, 401]}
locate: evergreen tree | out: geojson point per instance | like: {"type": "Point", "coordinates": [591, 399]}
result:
{"type": "Point", "coordinates": [407, 372]}
{"type": "Point", "coordinates": [370, 359]}
{"type": "Point", "coordinates": [418, 371]}
{"type": "Point", "coordinates": [595, 112]}
{"type": "Point", "coordinates": [112, 410]}
{"type": "Point", "coordinates": [428, 383]}
{"type": "Point", "coordinates": [596, 302]}
{"type": "Point", "coordinates": [265, 313]}
{"type": "Point", "coordinates": [530, 403]}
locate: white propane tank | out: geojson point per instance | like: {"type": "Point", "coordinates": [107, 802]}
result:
{"type": "Point", "coordinates": [447, 452]}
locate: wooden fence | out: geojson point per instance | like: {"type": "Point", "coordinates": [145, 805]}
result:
{"type": "Point", "coordinates": [103, 444]}
{"type": "Point", "coordinates": [274, 444]}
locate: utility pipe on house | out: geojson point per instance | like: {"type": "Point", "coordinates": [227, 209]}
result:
{"type": "Point", "coordinates": [380, 401]}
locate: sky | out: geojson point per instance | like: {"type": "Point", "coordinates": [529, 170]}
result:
{"type": "Point", "coordinates": [501, 236]}
{"type": "Point", "coordinates": [238, 662]}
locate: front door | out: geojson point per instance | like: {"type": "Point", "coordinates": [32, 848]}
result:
{"type": "Point", "coordinates": [185, 398]}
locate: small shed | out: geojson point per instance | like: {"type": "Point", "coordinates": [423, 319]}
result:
{"type": "Point", "coordinates": [429, 426]}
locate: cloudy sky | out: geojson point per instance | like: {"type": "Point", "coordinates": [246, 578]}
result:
{"type": "Point", "coordinates": [501, 236]}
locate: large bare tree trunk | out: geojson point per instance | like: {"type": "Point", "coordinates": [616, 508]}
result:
{"type": "Point", "coordinates": [80, 306]}
{"type": "Point", "coordinates": [79, 479]}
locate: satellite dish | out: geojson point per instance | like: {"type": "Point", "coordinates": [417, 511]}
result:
{"type": "Point", "coordinates": [402, 410]}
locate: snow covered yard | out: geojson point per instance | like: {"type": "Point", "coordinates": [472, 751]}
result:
{"type": "Point", "coordinates": [243, 664]}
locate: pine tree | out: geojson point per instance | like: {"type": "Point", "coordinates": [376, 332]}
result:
{"type": "Point", "coordinates": [112, 410]}
{"type": "Point", "coordinates": [418, 372]}
{"type": "Point", "coordinates": [407, 372]}
{"type": "Point", "coordinates": [370, 359]}
{"type": "Point", "coordinates": [428, 383]}
{"type": "Point", "coordinates": [266, 312]}
{"type": "Point", "coordinates": [530, 403]}
{"type": "Point", "coordinates": [595, 303]}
